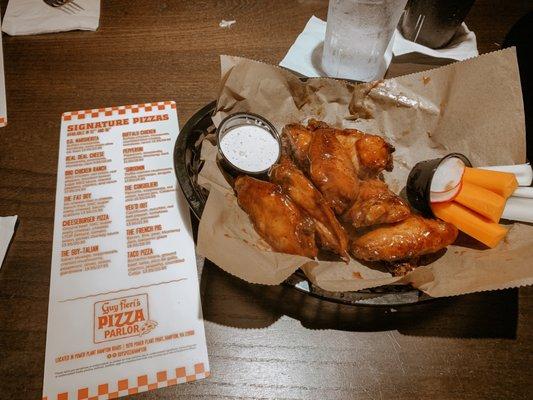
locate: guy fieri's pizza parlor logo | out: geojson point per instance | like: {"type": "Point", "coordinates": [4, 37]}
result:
{"type": "Point", "coordinates": [122, 317]}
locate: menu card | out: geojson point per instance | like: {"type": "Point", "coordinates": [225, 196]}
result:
{"type": "Point", "coordinates": [3, 108]}
{"type": "Point", "coordinates": [124, 314]}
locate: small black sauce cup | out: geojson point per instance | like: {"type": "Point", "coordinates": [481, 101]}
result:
{"type": "Point", "coordinates": [418, 186]}
{"type": "Point", "coordinates": [236, 120]}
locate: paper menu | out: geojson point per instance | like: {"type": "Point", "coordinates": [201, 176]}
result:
{"type": "Point", "coordinates": [3, 110]}
{"type": "Point", "coordinates": [7, 229]}
{"type": "Point", "coordinates": [124, 314]}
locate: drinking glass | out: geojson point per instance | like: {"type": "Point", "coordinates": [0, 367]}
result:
{"type": "Point", "coordinates": [358, 33]}
{"type": "Point", "coordinates": [433, 23]}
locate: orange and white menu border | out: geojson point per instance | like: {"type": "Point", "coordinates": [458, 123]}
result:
{"type": "Point", "coordinates": [124, 313]}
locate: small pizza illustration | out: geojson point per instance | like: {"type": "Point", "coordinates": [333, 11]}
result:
{"type": "Point", "coordinates": [147, 327]}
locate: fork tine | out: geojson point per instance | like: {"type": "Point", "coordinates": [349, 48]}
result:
{"type": "Point", "coordinates": [73, 3]}
{"type": "Point", "coordinates": [69, 7]}
{"type": "Point", "coordinates": [65, 10]}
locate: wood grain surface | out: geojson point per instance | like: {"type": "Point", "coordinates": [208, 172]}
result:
{"type": "Point", "coordinates": [264, 342]}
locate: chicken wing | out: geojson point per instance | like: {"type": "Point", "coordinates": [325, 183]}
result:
{"type": "Point", "coordinates": [296, 185]}
{"type": "Point", "coordinates": [376, 204]}
{"type": "Point", "coordinates": [412, 237]}
{"type": "Point", "coordinates": [296, 139]}
{"type": "Point", "coordinates": [314, 124]}
{"type": "Point", "coordinates": [331, 170]}
{"type": "Point", "coordinates": [276, 218]}
{"type": "Point", "coordinates": [375, 154]}
{"type": "Point", "coordinates": [348, 141]}
{"type": "Point", "coordinates": [370, 154]}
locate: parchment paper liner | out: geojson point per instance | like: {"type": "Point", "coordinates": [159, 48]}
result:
{"type": "Point", "coordinates": [473, 107]}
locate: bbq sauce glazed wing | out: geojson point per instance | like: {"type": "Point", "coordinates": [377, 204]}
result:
{"type": "Point", "coordinates": [370, 154]}
{"type": "Point", "coordinates": [331, 170]}
{"type": "Point", "coordinates": [276, 218]}
{"type": "Point", "coordinates": [410, 238]}
{"type": "Point", "coordinates": [375, 155]}
{"type": "Point", "coordinates": [376, 204]}
{"type": "Point", "coordinates": [296, 139]}
{"type": "Point", "coordinates": [304, 194]}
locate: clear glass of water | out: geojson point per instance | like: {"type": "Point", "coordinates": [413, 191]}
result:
{"type": "Point", "coordinates": [357, 35]}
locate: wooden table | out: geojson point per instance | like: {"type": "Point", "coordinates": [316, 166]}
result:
{"type": "Point", "coordinates": [264, 342]}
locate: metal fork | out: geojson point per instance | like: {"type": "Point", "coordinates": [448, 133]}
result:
{"type": "Point", "coordinates": [68, 6]}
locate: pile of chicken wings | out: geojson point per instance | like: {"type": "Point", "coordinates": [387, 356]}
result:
{"type": "Point", "coordinates": [327, 193]}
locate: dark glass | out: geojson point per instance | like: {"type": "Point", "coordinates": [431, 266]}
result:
{"type": "Point", "coordinates": [433, 23]}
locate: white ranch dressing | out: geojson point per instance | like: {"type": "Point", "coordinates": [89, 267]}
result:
{"type": "Point", "coordinates": [250, 148]}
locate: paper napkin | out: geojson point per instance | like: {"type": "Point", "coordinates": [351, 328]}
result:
{"type": "Point", "coordinates": [305, 54]}
{"type": "Point", "coordinates": [30, 17]}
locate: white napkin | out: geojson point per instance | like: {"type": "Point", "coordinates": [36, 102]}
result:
{"type": "Point", "coordinates": [462, 46]}
{"type": "Point", "coordinates": [305, 54]}
{"type": "Point", "coordinates": [7, 227]}
{"type": "Point", "coordinates": [30, 17]}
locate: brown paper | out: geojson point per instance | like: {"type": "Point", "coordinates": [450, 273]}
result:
{"type": "Point", "coordinates": [473, 107]}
